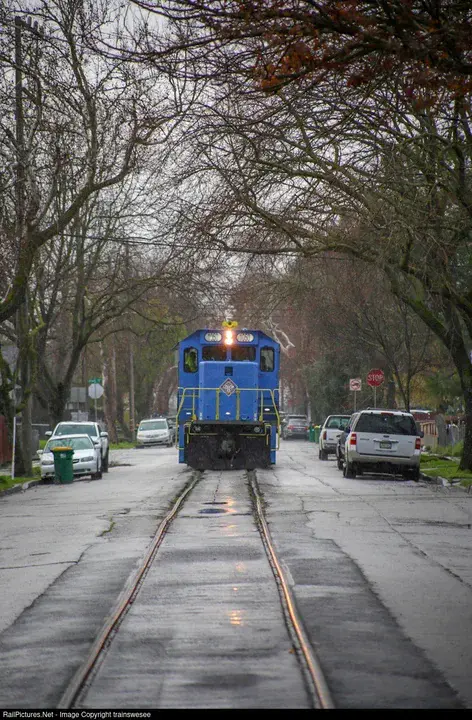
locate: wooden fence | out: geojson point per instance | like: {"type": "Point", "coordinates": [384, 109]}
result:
{"type": "Point", "coordinates": [430, 430]}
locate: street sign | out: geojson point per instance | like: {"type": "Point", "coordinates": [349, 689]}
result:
{"type": "Point", "coordinates": [95, 391]}
{"type": "Point", "coordinates": [96, 381]}
{"type": "Point", "coordinates": [355, 384]}
{"type": "Point", "coordinates": [78, 395]}
{"type": "Point", "coordinates": [375, 377]}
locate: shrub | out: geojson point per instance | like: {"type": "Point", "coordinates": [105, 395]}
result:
{"type": "Point", "coordinates": [457, 449]}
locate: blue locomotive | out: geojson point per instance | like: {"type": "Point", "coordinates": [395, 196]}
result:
{"type": "Point", "coordinates": [228, 399]}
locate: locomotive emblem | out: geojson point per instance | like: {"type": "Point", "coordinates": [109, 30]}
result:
{"type": "Point", "coordinates": [228, 387]}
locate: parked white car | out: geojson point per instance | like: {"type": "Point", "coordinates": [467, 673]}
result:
{"type": "Point", "coordinates": [330, 432]}
{"type": "Point", "coordinates": [86, 459]}
{"type": "Point", "coordinates": [154, 431]}
{"type": "Point", "coordinates": [383, 441]}
{"type": "Point", "coordinates": [92, 429]}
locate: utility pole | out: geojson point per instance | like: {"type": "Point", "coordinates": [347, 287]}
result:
{"type": "Point", "coordinates": [22, 324]}
{"type": "Point", "coordinates": [132, 419]}
{"type": "Point", "coordinates": [22, 316]}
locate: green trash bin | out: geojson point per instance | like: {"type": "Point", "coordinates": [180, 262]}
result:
{"type": "Point", "coordinates": [311, 434]}
{"type": "Point", "coordinates": [317, 429]}
{"type": "Point", "coordinates": [63, 465]}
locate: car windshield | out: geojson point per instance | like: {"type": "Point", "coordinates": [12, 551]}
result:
{"type": "Point", "coordinates": [76, 443]}
{"type": "Point", "coordinates": [336, 421]}
{"type": "Point", "coordinates": [71, 428]}
{"type": "Point", "coordinates": [386, 423]}
{"type": "Point", "coordinates": [153, 425]}
{"type": "Point", "coordinates": [298, 419]}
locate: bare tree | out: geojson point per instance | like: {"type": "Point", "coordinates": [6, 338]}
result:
{"type": "Point", "coordinates": [87, 124]}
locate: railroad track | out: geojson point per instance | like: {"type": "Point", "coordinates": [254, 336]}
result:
{"type": "Point", "coordinates": [84, 688]}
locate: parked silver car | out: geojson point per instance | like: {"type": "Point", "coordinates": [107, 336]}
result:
{"type": "Point", "coordinates": [92, 429]}
{"type": "Point", "coordinates": [383, 441]}
{"type": "Point", "coordinates": [86, 459]}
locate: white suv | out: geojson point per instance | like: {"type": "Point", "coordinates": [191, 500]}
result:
{"type": "Point", "coordinates": [383, 441]}
{"type": "Point", "coordinates": [332, 428]}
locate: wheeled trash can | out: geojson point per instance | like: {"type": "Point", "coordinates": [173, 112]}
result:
{"type": "Point", "coordinates": [63, 464]}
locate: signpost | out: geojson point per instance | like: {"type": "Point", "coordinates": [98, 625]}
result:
{"type": "Point", "coordinates": [95, 391]}
{"type": "Point", "coordinates": [355, 385]}
{"type": "Point", "coordinates": [375, 377]}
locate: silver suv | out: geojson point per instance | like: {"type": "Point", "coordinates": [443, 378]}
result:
{"type": "Point", "coordinates": [383, 441]}
{"type": "Point", "coordinates": [295, 426]}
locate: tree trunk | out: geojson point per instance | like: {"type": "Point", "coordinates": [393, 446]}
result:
{"type": "Point", "coordinates": [109, 396]}
{"type": "Point", "coordinates": [391, 403]}
{"type": "Point", "coordinates": [466, 459]}
{"type": "Point", "coordinates": [24, 437]}
{"type": "Point", "coordinates": [113, 400]}
{"type": "Point", "coordinates": [57, 403]}
{"type": "Point", "coordinates": [26, 444]}
{"type": "Point", "coordinates": [465, 373]}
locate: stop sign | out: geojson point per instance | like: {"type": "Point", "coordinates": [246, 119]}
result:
{"type": "Point", "coordinates": [375, 377]}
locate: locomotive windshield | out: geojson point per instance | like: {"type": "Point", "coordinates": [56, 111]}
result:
{"type": "Point", "coordinates": [267, 359]}
{"type": "Point", "coordinates": [214, 352]}
{"type": "Point", "coordinates": [237, 353]}
{"type": "Point", "coordinates": [243, 352]}
{"type": "Point", "coordinates": [190, 360]}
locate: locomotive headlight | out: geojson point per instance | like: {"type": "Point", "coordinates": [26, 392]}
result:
{"type": "Point", "coordinates": [229, 337]}
{"type": "Point", "coordinates": [258, 429]}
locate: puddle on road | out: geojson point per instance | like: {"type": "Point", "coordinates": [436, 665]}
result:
{"type": "Point", "coordinates": [208, 511]}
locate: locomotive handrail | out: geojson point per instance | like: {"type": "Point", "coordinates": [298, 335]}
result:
{"type": "Point", "coordinates": [194, 392]}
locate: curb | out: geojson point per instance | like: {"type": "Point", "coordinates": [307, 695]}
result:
{"type": "Point", "coordinates": [21, 487]}
{"type": "Point", "coordinates": [434, 480]}
{"type": "Point", "coordinates": [444, 482]}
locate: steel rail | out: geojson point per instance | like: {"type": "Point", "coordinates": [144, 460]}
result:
{"type": "Point", "coordinates": [319, 684]}
{"type": "Point", "coordinates": [126, 598]}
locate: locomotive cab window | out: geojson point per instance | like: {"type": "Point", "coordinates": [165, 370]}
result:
{"type": "Point", "coordinates": [214, 352]}
{"type": "Point", "coordinates": [243, 353]}
{"type": "Point", "coordinates": [190, 360]}
{"type": "Point", "coordinates": [267, 359]}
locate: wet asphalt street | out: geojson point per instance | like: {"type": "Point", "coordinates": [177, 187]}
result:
{"type": "Point", "coordinates": [380, 568]}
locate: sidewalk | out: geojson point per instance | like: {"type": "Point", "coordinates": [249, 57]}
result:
{"type": "Point", "coordinates": [116, 456]}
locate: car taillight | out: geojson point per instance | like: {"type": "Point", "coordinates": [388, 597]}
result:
{"type": "Point", "coordinates": [324, 434]}
{"type": "Point", "coordinates": [352, 439]}
{"type": "Point", "coordinates": [418, 444]}
{"type": "Point", "coordinates": [290, 427]}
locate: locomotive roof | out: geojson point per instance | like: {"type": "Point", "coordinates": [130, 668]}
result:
{"type": "Point", "coordinates": [258, 333]}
